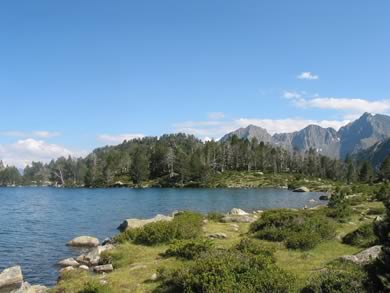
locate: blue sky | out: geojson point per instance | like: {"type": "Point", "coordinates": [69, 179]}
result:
{"type": "Point", "coordinates": [75, 75]}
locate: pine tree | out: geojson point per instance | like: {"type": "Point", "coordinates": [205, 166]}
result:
{"type": "Point", "coordinates": [366, 172]}
{"type": "Point", "coordinates": [140, 167]}
{"type": "Point", "coordinates": [385, 169]}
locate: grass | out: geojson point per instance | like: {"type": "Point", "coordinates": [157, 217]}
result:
{"type": "Point", "coordinates": [135, 264]}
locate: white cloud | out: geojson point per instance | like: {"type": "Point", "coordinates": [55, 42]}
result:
{"type": "Point", "coordinates": [291, 95]}
{"type": "Point", "coordinates": [118, 138]}
{"type": "Point", "coordinates": [350, 104]}
{"type": "Point", "coordinates": [216, 115]}
{"type": "Point", "coordinates": [38, 133]}
{"type": "Point", "coordinates": [308, 75]}
{"type": "Point", "coordinates": [24, 151]}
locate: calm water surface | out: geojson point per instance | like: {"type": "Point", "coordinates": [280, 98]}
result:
{"type": "Point", "coordinates": [36, 223]}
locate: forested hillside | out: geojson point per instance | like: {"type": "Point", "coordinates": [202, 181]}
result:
{"type": "Point", "coordinates": [180, 160]}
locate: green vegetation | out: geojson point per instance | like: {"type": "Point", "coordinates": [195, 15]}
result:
{"type": "Point", "coordinates": [338, 278]}
{"type": "Point", "coordinates": [299, 230]}
{"type": "Point", "coordinates": [185, 225]}
{"type": "Point", "coordinates": [179, 160]}
{"type": "Point", "coordinates": [189, 249]}
{"type": "Point", "coordinates": [228, 271]}
{"type": "Point", "coordinates": [363, 236]}
{"type": "Point", "coordinates": [338, 205]}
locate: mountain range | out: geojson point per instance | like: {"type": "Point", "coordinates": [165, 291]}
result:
{"type": "Point", "coordinates": [361, 138]}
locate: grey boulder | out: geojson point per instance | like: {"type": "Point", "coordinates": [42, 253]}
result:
{"type": "Point", "coordinates": [84, 241]}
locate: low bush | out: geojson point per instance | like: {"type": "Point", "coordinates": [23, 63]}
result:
{"type": "Point", "coordinates": [303, 240]}
{"type": "Point", "coordinates": [376, 211]}
{"type": "Point", "coordinates": [339, 207]}
{"type": "Point", "coordinates": [339, 278]}
{"type": "Point", "coordinates": [185, 225]}
{"type": "Point", "coordinates": [299, 229]}
{"type": "Point", "coordinates": [255, 247]}
{"type": "Point", "coordinates": [188, 249]}
{"type": "Point", "coordinates": [127, 235]}
{"type": "Point", "coordinates": [228, 271]}
{"type": "Point", "coordinates": [215, 216]}
{"type": "Point", "coordinates": [363, 236]}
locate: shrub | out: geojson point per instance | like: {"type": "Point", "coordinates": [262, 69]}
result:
{"type": "Point", "coordinates": [376, 211]}
{"type": "Point", "coordinates": [185, 225]}
{"type": "Point", "coordinates": [335, 280]}
{"type": "Point", "coordinates": [127, 235]}
{"type": "Point", "coordinates": [188, 225]}
{"type": "Point", "coordinates": [363, 236]}
{"type": "Point", "coordinates": [215, 216]}
{"type": "Point", "coordinates": [338, 206]}
{"type": "Point", "coordinates": [228, 271]}
{"type": "Point", "coordinates": [188, 249]}
{"type": "Point", "coordinates": [156, 233]}
{"type": "Point", "coordinates": [300, 230]}
{"type": "Point", "coordinates": [303, 240]}
{"type": "Point", "coordinates": [252, 246]}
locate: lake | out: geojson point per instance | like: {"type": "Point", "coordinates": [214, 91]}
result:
{"type": "Point", "coordinates": [36, 223]}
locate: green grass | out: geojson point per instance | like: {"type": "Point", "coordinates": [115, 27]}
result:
{"type": "Point", "coordinates": [135, 264]}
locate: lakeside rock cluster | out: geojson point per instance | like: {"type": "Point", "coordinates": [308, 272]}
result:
{"type": "Point", "coordinates": [11, 281]}
{"type": "Point", "coordinates": [91, 260]}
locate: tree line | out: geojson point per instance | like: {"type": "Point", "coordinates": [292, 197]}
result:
{"type": "Point", "coordinates": [179, 159]}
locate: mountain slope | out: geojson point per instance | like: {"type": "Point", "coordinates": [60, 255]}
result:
{"type": "Point", "coordinates": [356, 136]}
{"type": "Point", "coordinates": [249, 132]}
{"type": "Point", "coordinates": [363, 133]}
{"type": "Point", "coordinates": [375, 154]}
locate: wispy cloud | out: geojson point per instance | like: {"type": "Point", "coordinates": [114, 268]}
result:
{"type": "Point", "coordinates": [216, 115]}
{"type": "Point", "coordinates": [351, 108]}
{"type": "Point", "coordinates": [118, 138]}
{"type": "Point", "coordinates": [292, 95]}
{"type": "Point", "coordinates": [37, 133]}
{"type": "Point", "coordinates": [308, 75]}
{"type": "Point", "coordinates": [24, 151]}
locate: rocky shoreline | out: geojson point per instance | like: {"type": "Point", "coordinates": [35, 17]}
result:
{"type": "Point", "coordinates": [11, 279]}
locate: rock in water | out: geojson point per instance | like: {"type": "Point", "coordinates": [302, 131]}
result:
{"type": "Point", "coordinates": [137, 223]}
{"type": "Point", "coordinates": [301, 189]}
{"type": "Point", "coordinates": [103, 269]}
{"type": "Point", "coordinates": [84, 241]}
{"type": "Point", "coordinates": [11, 279]}
{"type": "Point", "coordinates": [238, 212]}
{"type": "Point", "coordinates": [69, 262]}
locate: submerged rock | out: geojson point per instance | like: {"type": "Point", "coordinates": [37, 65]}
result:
{"type": "Point", "coordinates": [84, 241]}
{"type": "Point", "coordinates": [364, 257]}
{"type": "Point", "coordinates": [11, 279]}
{"type": "Point", "coordinates": [137, 223]}
{"type": "Point", "coordinates": [301, 189]}
{"type": "Point", "coordinates": [324, 197]}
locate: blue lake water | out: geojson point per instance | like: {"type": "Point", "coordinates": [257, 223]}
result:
{"type": "Point", "coordinates": [36, 223]}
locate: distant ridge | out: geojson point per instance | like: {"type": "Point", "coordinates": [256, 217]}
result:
{"type": "Point", "coordinates": [353, 138]}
